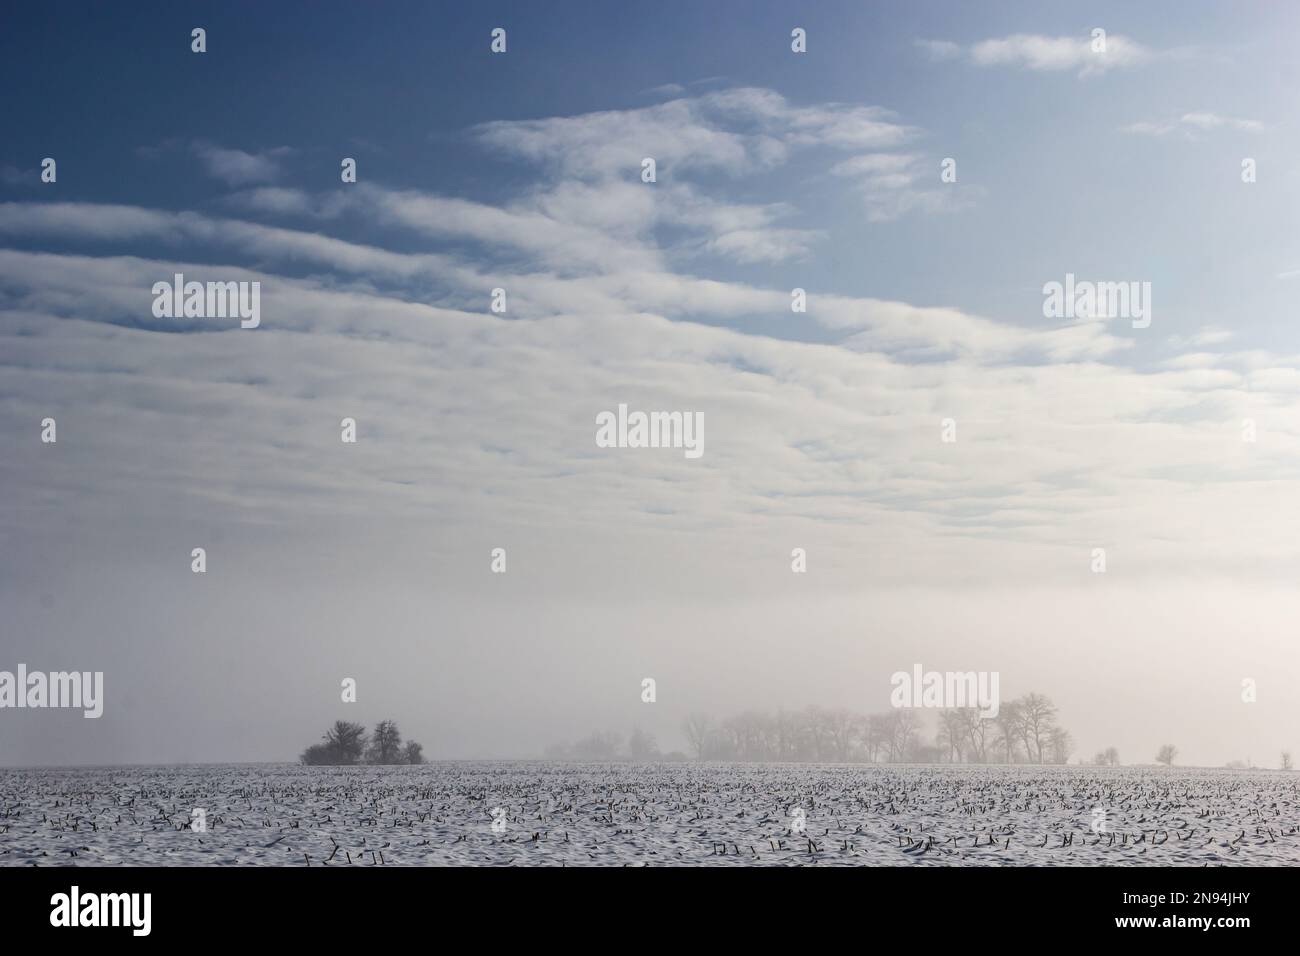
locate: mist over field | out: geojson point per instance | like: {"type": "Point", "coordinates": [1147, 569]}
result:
{"type": "Point", "coordinates": [838, 263]}
{"type": "Point", "coordinates": [477, 666]}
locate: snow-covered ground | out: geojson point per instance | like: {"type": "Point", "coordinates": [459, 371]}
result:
{"type": "Point", "coordinates": [697, 814]}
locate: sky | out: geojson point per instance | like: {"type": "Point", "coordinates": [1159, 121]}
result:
{"type": "Point", "coordinates": [523, 171]}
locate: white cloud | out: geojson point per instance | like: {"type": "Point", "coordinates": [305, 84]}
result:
{"type": "Point", "coordinates": [764, 245]}
{"type": "Point", "coordinates": [592, 163]}
{"type": "Point", "coordinates": [1040, 53]}
{"type": "Point", "coordinates": [814, 439]}
{"type": "Point", "coordinates": [733, 131]}
{"type": "Point", "coordinates": [236, 167]}
{"type": "Point", "coordinates": [279, 200]}
{"type": "Point", "coordinates": [1190, 123]}
{"type": "Point", "coordinates": [894, 184]}
{"type": "Point", "coordinates": [1060, 444]}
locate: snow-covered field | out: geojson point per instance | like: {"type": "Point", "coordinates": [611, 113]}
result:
{"type": "Point", "coordinates": [696, 814]}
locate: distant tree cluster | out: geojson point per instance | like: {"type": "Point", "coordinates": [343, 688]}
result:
{"type": "Point", "coordinates": [346, 744]}
{"type": "Point", "coordinates": [1106, 758]}
{"type": "Point", "coordinates": [1024, 731]}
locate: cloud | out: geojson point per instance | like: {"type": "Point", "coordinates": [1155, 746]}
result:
{"type": "Point", "coordinates": [278, 200]}
{"type": "Point", "coordinates": [764, 245]}
{"type": "Point", "coordinates": [733, 131]}
{"type": "Point", "coordinates": [594, 164]}
{"type": "Point", "coordinates": [894, 184]}
{"type": "Point", "coordinates": [1191, 123]}
{"type": "Point", "coordinates": [1045, 54]}
{"type": "Point", "coordinates": [940, 50]}
{"type": "Point", "coordinates": [817, 439]}
{"type": "Point", "coordinates": [236, 167]}
{"type": "Point", "coordinates": [819, 435]}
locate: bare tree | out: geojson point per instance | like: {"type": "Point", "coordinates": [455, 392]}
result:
{"type": "Point", "coordinates": [1009, 730]}
{"type": "Point", "coordinates": [875, 735]}
{"type": "Point", "coordinates": [952, 734]}
{"type": "Point", "coordinates": [698, 729]}
{"type": "Point", "coordinates": [385, 744]}
{"type": "Point", "coordinates": [1286, 761]}
{"type": "Point", "coordinates": [903, 726]}
{"type": "Point", "coordinates": [840, 730]}
{"type": "Point", "coordinates": [413, 753]}
{"type": "Point", "coordinates": [891, 736]}
{"type": "Point", "coordinates": [1024, 730]}
{"type": "Point", "coordinates": [1112, 757]}
{"type": "Point", "coordinates": [978, 730]}
{"type": "Point", "coordinates": [790, 731]}
{"type": "Point", "coordinates": [745, 736]}
{"type": "Point", "coordinates": [1167, 754]}
{"type": "Point", "coordinates": [1037, 721]}
{"type": "Point", "coordinates": [1060, 745]}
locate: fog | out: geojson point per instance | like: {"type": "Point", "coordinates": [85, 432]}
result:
{"type": "Point", "coordinates": [245, 661]}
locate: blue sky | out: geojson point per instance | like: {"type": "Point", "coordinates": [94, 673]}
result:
{"type": "Point", "coordinates": [521, 171]}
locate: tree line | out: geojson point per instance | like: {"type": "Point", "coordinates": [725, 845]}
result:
{"type": "Point", "coordinates": [347, 744]}
{"type": "Point", "coordinates": [1025, 730]}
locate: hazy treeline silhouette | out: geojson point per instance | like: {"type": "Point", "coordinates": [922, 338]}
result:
{"type": "Point", "coordinates": [606, 745]}
{"type": "Point", "coordinates": [1025, 730]}
{"type": "Point", "coordinates": [347, 744]}
{"type": "Point", "coordinates": [1106, 758]}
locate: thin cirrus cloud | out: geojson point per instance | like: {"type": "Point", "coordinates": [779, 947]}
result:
{"type": "Point", "coordinates": [894, 184]}
{"type": "Point", "coordinates": [592, 193]}
{"type": "Point", "coordinates": [1044, 54]}
{"type": "Point", "coordinates": [1190, 124]}
{"type": "Point", "coordinates": [735, 130]}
